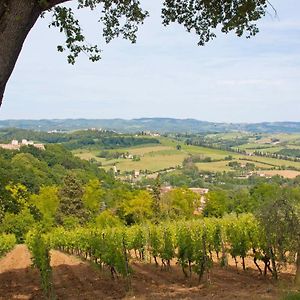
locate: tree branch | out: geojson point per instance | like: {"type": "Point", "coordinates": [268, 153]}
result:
{"type": "Point", "coordinates": [273, 7]}
{"type": "Point", "coordinates": [52, 3]}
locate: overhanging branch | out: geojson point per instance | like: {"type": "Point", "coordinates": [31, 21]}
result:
{"type": "Point", "coordinates": [48, 4]}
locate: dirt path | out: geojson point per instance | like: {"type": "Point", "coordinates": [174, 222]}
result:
{"type": "Point", "coordinates": [17, 279]}
{"type": "Point", "coordinates": [77, 280]}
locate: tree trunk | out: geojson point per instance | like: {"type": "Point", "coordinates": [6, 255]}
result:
{"type": "Point", "coordinates": [16, 19]}
{"type": "Point", "coordinates": [274, 268]}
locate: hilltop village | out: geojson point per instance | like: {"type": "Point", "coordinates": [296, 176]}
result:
{"type": "Point", "coordinates": [16, 145]}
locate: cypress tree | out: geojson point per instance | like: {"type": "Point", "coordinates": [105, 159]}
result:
{"type": "Point", "coordinates": [71, 204]}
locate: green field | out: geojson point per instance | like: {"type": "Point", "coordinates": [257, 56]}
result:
{"type": "Point", "coordinates": [218, 166]}
{"type": "Point", "coordinates": [222, 166]}
{"type": "Point", "coordinates": [156, 157]}
{"type": "Point", "coordinates": [151, 162]}
{"type": "Point", "coordinates": [275, 162]}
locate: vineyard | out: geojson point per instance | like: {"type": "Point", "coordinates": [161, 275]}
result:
{"type": "Point", "coordinates": [198, 248]}
{"type": "Point", "coordinates": [192, 243]}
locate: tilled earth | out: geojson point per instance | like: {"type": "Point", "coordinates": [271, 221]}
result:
{"type": "Point", "coordinates": [75, 279]}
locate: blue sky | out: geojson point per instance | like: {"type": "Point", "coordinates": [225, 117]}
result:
{"type": "Point", "coordinates": [164, 75]}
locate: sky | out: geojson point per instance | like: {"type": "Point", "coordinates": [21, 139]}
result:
{"type": "Point", "coordinates": [165, 74]}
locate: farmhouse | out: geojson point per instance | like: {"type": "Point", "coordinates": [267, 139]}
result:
{"type": "Point", "coordinates": [136, 173]}
{"type": "Point", "coordinates": [15, 145]}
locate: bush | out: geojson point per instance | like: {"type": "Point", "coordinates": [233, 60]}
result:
{"type": "Point", "coordinates": [7, 242]}
{"type": "Point", "coordinates": [17, 224]}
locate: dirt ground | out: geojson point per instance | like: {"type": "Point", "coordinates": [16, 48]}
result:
{"type": "Point", "coordinates": [17, 279]}
{"type": "Point", "coordinates": [75, 279]}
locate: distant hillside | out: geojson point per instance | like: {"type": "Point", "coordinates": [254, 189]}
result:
{"type": "Point", "coordinates": [161, 125]}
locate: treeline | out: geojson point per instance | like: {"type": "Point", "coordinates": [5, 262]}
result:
{"type": "Point", "coordinates": [248, 200]}
{"type": "Point", "coordinates": [215, 142]}
{"type": "Point", "coordinates": [34, 168]}
{"type": "Point", "coordinates": [111, 142]}
{"type": "Point", "coordinates": [196, 158]}
{"type": "Point", "coordinates": [77, 139]}
{"type": "Point", "coordinates": [74, 203]}
{"type": "Point", "coordinates": [223, 145]}
{"type": "Point", "coordinates": [6, 135]}
{"type": "Point", "coordinates": [35, 184]}
{"type": "Point", "coordinates": [290, 152]}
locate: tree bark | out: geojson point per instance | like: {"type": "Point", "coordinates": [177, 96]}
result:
{"type": "Point", "coordinates": [274, 267]}
{"type": "Point", "coordinates": [17, 17]}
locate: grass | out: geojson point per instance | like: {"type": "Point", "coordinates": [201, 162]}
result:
{"type": "Point", "coordinates": [152, 163]}
{"type": "Point", "coordinates": [87, 155]}
{"type": "Point", "coordinates": [222, 166]}
{"type": "Point", "coordinates": [275, 162]}
{"type": "Point", "coordinates": [213, 153]}
{"type": "Point", "coordinates": [257, 164]}
{"type": "Point", "coordinates": [145, 150]}
{"type": "Point", "coordinates": [216, 166]}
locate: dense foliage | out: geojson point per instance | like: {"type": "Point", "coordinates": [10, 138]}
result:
{"type": "Point", "coordinates": [33, 167]}
{"type": "Point", "coordinates": [99, 139]}
{"type": "Point", "coordinates": [290, 152]}
{"type": "Point", "coordinates": [7, 242]}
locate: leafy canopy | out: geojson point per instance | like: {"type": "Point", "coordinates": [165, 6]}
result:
{"type": "Point", "coordinates": [121, 18]}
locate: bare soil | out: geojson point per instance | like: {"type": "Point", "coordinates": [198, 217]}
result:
{"type": "Point", "coordinates": [75, 279]}
{"type": "Point", "coordinates": [291, 174]}
{"type": "Point", "coordinates": [18, 280]}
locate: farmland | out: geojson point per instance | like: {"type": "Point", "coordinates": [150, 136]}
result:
{"type": "Point", "coordinates": [201, 225]}
{"type": "Point", "coordinates": [76, 279]}
{"type": "Point", "coordinates": [158, 257]}
{"type": "Point", "coordinates": [238, 152]}
{"type": "Point", "coordinates": [170, 153]}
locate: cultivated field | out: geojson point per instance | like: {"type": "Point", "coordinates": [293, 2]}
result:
{"type": "Point", "coordinates": [284, 173]}
{"type": "Point", "coordinates": [74, 279]}
{"type": "Point", "coordinates": [165, 155]}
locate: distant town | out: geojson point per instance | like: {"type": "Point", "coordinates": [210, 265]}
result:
{"type": "Point", "coordinates": [16, 145]}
